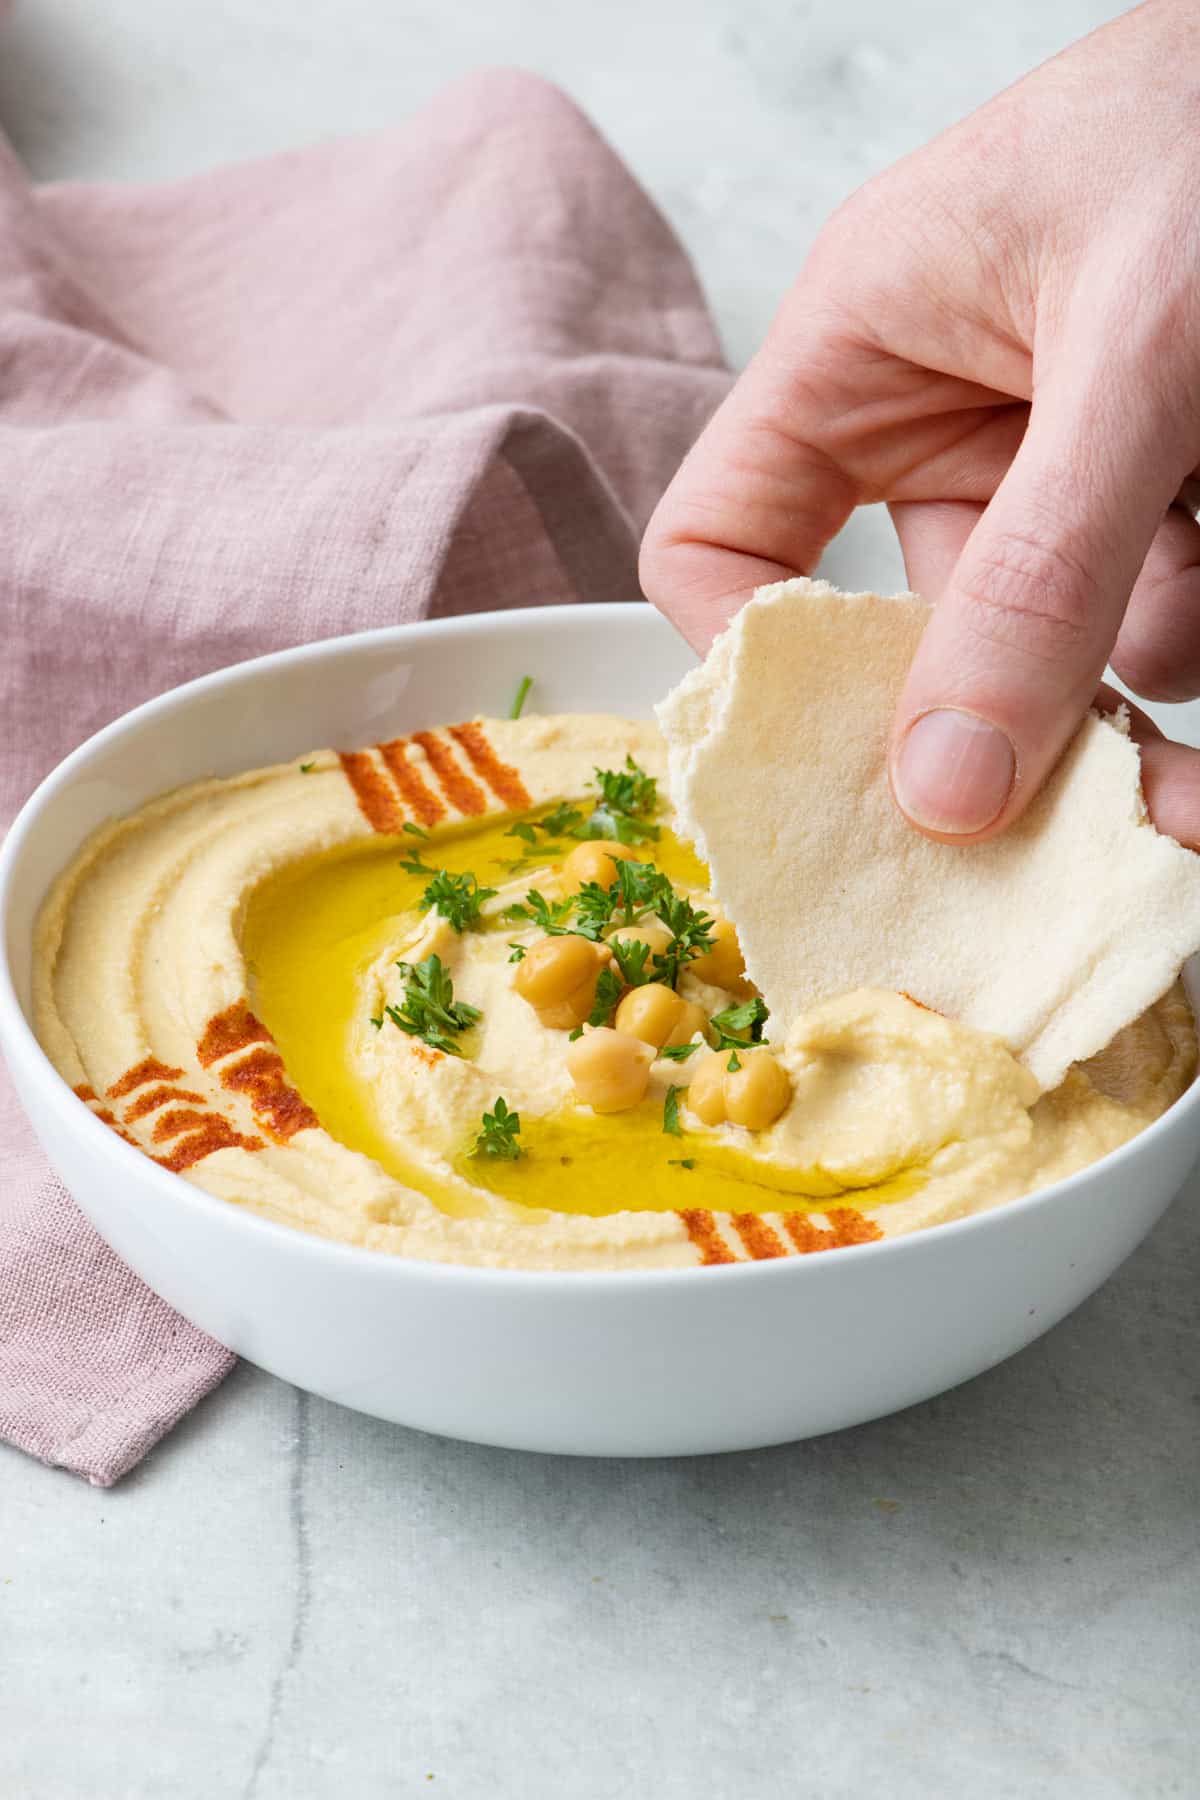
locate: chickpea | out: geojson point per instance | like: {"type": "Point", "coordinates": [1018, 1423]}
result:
{"type": "Point", "coordinates": [758, 1092]}
{"type": "Point", "coordinates": [651, 931]}
{"type": "Point", "coordinates": [596, 860]}
{"type": "Point", "coordinates": [723, 965]}
{"type": "Point", "coordinates": [753, 1095]}
{"type": "Point", "coordinates": [558, 977]}
{"type": "Point", "coordinates": [553, 968]}
{"type": "Point", "coordinates": [691, 1019]}
{"type": "Point", "coordinates": [706, 1090]}
{"type": "Point", "coordinates": [610, 1070]}
{"type": "Point", "coordinates": [651, 1013]}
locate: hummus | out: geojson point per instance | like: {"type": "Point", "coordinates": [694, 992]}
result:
{"type": "Point", "coordinates": [223, 979]}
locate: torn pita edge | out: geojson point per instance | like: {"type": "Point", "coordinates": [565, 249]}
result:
{"type": "Point", "coordinates": [694, 718]}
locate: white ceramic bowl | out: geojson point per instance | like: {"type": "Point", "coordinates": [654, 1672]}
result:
{"type": "Point", "coordinates": [640, 1364]}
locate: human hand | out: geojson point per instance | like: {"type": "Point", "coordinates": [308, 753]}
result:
{"type": "Point", "coordinates": [999, 337]}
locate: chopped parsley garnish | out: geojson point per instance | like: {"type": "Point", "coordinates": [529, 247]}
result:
{"type": "Point", "coordinates": [628, 790]}
{"type": "Point", "coordinates": [639, 885]}
{"type": "Point", "coordinates": [670, 1122]}
{"type": "Point", "coordinates": [681, 1162]}
{"type": "Point", "coordinates": [415, 830]}
{"type": "Point", "coordinates": [549, 916]}
{"type": "Point", "coordinates": [679, 1052]}
{"type": "Point", "coordinates": [429, 1010]}
{"type": "Point", "coordinates": [518, 952]}
{"type": "Point", "coordinates": [628, 800]}
{"type": "Point", "coordinates": [593, 910]}
{"type": "Point", "coordinates": [734, 1063]}
{"type": "Point", "coordinates": [498, 1134]}
{"type": "Point", "coordinates": [307, 768]}
{"type": "Point", "coordinates": [631, 957]}
{"type": "Point", "coordinates": [691, 934]}
{"type": "Point", "coordinates": [639, 889]}
{"type": "Point", "coordinates": [604, 823]}
{"type": "Point", "coordinates": [457, 897]}
{"type": "Point", "coordinates": [608, 992]}
{"type": "Point", "coordinates": [520, 697]}
{"type": "Point", "coordinates": [561, 820]}
{"type": "Point", "coordinates": [377, 1021]}
{"type": "Point", "coordinates": [740, 1025]}
{"type": "Point", "coordinates": [413, 865]}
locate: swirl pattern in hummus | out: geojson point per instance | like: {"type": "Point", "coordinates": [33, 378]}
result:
{"type": "Point", "coordinates": [147, 1005]}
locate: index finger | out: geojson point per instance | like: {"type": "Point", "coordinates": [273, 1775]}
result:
{"type": "Point", "coordinates": [755, 501]}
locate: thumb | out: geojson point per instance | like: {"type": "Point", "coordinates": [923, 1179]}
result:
{"type": "Point", "coordinates": [1013, 653]}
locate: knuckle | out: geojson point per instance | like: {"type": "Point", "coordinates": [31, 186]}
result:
{"type": "Point", "coordinates": [1166, 672]}
{"type": "Point", "coordinates": [1031, 596]}
{"type": "Point", "coordinates": [663, 561]}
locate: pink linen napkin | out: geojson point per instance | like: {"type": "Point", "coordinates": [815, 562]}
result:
{"type": "Point", "coordinates": [444, 368]}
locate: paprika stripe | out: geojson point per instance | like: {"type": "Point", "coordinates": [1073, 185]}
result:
{"type": "Point", "coordinates": [376, 800]}
{"type": "Point", "coordinates": [278, 1106]}
{"type": "Point", "coordinates": [154, 1098]}
{"type": "Point", "coordinates": [149, 1069]}
{"type": "Point", "coordinates": [701, 1227]}
{"type": "Point", "coordinates": [421, 800]}
{"type": "Point", "coordinates": [846, 1226]}
{"type": "Point", "coordinates": [463, 793]}
{"type": "Point", "coordinates": [501, 777]}
{"type": "Point", "coordinates": [760, 1240]}
{"type": "Point", "coordinates": [215, 1134]}
{"type": "Point", "coordinates": [234, 1029]}
{"type": "Point", "coordinates": [804, 1234]}
{"type": "Point", "coordinates": [851, 1227]}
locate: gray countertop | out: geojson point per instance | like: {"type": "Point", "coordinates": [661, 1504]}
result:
{"type": "Point", "coordinates": [991, 1595]}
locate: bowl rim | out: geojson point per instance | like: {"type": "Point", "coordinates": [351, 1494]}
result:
{"type": "Point", "coordinates": [19, 1042]}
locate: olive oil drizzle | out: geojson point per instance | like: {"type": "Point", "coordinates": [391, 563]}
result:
{"type": "Point", "coordinates": [311, 928]}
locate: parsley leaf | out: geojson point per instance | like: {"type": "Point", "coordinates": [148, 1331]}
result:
{"type": "Point", "coordinates": [520, 697]}
{"type": "Point", "coordinates": [561, 819]}
{"type": "Point", "coordinates": [518, 953]}
{"type": "Point", "coordinates": [679, 1052]}
{"type": "Point", "coordinates": [608, 992]}
{"type": "Point", "coordinates": [498, 1134]}
{"type": "Point", "coordinates": [628, 799]}
{"type": "Point", "coordinates": [415, 830]}
{"type": "Point", "coordinates": [307, 768]}
{"type": "Point", "coordinates": [412, 865]}
{"type": "Point", "coordinates": [632, 956]}
{"type": "Point", "coordinates": [429, 1010]}
{"type": "Point", "coordinates": [457, 897]}
{"type": "Point", "coordinates": [594, 909]}
{"type": "Point", "coordinates": [734, 1063]}
{"type": "Point", "coordinates": [628, 790]}
{"type": "Point", "coordinates": [681, 1162]}
{"type": "Point", "coordinates": [639, 886]}
{"type": "Point", "coordinates": [740, 1025]}
{"type": "Point", "coordinates": [377, 1021]}
{"type": "Point", "coordinates": [549, 916]}
{"type": "Point", "coordinates": [670, 1122]}
{"type": "Point", "coordinates": [606, 823]}
{"type": "Point", "coordinates": [691, 935]}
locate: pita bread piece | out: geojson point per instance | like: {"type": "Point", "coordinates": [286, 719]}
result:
{"type": "Point", "coordinates": [1054, 936]}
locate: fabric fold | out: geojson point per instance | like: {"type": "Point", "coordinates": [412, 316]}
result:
{"type": "Point", "coordinates": [444, 368]}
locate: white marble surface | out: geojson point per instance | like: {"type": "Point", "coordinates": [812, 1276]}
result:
{"type": "Point", "coordinates": [992, 1595]}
